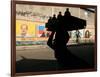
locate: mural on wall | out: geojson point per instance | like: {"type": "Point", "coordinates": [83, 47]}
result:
{"type": "Point", "coordinates": [87, 34]}
{"type": "Point", "coordinates": [36, 19]}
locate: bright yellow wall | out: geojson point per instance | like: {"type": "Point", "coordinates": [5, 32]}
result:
{"type": "Point", "coordinates": [32, 31]}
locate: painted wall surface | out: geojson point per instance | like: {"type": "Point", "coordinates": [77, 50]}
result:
{"type": "Point", "coordinates": [35, 16]}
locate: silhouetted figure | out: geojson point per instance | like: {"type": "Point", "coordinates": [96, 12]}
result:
{"type": "Point", "coordinates": [49, 24]}
{"type": "Point", "coordinates": [50, 18]}
{"type": "Point", "coordinates": [67, 20]}
{"type": "Point", "coordinates": [54, 17]}
{"type": "Point", "coordinates": [59, 17]}
{"type": "Point", "coordinates": [58, 42]}
{"type": "Point", "coordinates": [78, 36]}
{"type": "Point", "coordinates": [54, 22]}
{"type": "Point", "coordinates": [67, 12]}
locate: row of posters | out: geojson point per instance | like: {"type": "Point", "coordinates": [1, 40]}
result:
{"type": "Point", "coordinates": [36, 30]}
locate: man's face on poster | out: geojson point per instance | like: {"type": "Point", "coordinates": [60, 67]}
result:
{"type": "Point", "coordinates": [24, 29]}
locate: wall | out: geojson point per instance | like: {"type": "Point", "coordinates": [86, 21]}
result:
{"type": "Point", "coordinates": [32, 15]}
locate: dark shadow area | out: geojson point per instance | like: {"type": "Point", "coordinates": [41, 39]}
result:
{"type": "Point", "coordinates": [39, 65]}
{"type": "Point", "coordinates": [85, 51]}
{"type": "Point", "coordinates": [74, 60]}
{"type": "Point", "coordinates": [34, 65]}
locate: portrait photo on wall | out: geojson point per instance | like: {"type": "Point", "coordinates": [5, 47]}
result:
{"type": "Point", "coordinates": [50, 38]}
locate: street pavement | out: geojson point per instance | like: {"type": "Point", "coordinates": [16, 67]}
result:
{"type": "Point", "coordinates": [41, 57]}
